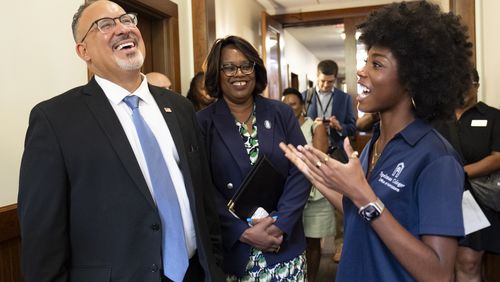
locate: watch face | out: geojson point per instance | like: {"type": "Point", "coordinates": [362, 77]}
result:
{"type": "Point", "coordinates": [370, 212]}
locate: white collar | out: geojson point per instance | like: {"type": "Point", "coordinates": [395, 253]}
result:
{"type": "Point", "coordinates": [325, 93]}
{"type": "Point", "coordinates": [116, 93]}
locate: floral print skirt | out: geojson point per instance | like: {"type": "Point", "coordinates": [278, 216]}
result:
{"type": "Point", "coordinates": [258, 271]}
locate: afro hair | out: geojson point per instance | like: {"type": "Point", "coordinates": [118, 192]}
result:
{"type": "Point", "coordinates": [432, 50]}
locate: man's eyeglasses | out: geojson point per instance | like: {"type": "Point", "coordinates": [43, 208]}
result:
{"type": "Point", "coordinates": [106, 25]}
{"type": "Point", "coordinates": [231, 69]}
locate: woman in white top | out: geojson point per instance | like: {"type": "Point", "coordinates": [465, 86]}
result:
{"type": "Point", "coordinates": [318, 218]}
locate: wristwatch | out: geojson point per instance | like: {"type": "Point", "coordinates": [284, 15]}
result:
{"type": "Point", "coordinates": [371, 210]}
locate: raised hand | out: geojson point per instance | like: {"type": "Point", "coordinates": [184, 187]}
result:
{"type": "Point", "coordinates": [328, 174]}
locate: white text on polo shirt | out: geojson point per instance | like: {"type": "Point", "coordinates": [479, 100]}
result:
{"type": "Point", "coordinates": [391, 182]}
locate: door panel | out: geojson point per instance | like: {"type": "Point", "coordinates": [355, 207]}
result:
{"type": "Point", "coordinates": [271, 54]}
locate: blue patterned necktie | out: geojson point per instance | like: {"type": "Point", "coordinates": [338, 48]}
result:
{"type": "Point", "coordinates": [175, 254]}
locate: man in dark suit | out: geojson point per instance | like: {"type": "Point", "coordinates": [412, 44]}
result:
{"type": "Point", "coordinates": [331, 104]}
{"type": "Point", "coordinates": [86, 206]}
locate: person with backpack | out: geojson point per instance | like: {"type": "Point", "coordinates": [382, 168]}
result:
{"type": "Point", "coordinates": [331, 105]}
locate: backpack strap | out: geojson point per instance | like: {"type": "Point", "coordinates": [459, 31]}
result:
{"type": "Point", "coordinates": [309, 97]}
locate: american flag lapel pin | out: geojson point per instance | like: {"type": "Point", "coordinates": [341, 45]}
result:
{"type": "Point", "coordinates": [167, 109]}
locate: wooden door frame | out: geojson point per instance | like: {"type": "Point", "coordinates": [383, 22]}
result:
{"type": "Point", "coordinates": [325, 17]}
{"type": "Point", "coordinates": [466, 9]}
{"type": "Point", "coordinates": [203, 19]}
{"type": "Point", "coordinates": [269, 23]}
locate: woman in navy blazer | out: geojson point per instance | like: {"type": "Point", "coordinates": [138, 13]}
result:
{"type": "Point", "coordinates": [238, 128]}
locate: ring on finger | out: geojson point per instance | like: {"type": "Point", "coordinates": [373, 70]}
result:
{"type": "Point", "coordinates": [354, 155]}
{"type": "Point", "coordinates": [318, 164]}
{"type": "Point", "coordinates": [325, 160]}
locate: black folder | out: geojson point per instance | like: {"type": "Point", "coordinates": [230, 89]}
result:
{"type": "Point", "coordinates": [261, 187]}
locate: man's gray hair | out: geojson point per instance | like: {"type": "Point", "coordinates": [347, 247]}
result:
{"type": "Point", "coordinates": [77, 15]}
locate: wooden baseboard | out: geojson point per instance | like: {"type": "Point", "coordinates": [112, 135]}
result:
{"type": "Point", "coordinates": [10, 245]}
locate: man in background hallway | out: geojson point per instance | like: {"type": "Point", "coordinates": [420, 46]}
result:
{"type": "Point", "coordinates": [159, 79]}
{"type": "Point", "coordinates": [331, 104]}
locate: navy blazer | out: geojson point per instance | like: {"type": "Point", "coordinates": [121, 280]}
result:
{"type": "Point", "coordinates": [230, 163]}
{"type": "Point", "coordinates": [341, 108]}
{"type": "Point", "coordinates": [85, 210]}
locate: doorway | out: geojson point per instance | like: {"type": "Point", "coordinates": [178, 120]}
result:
{"type": "Point", "coordinates": [338, 20]}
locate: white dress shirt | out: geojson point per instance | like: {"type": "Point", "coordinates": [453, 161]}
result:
{"type": "Point", "coordinates": [324, 108]}
{"type": "Point", "coordinates": [153, 117]}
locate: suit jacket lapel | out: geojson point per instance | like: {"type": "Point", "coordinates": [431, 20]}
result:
{"type": "Point", "coordinates": [102, 110]}
{"type": "Point", "coordinates": [169, 113]}
{"type": "Point", "coordinates": [313, 111]}
{"type": "Point", "coordinates": [266, 124]}
{"type": "Point", "coordinates": [334, 102]}
{"type": "Point", "coordinates": [225, 126]}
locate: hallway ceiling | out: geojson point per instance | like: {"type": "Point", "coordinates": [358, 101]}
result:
{"type": "Point", "coordinates": [294, 6]}
{"type": "Point", "coordinates": [324, 41]}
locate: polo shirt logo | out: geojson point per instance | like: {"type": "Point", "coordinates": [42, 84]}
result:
{"type": "Point", "coordinates": [392, 180]}
{"type": "Point", "coordinates": [397, 171]}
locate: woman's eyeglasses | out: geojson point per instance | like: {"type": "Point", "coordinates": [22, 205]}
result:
{"type": "Point", "coordinates": [232, 69]}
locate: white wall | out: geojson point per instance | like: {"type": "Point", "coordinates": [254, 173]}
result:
{"type": "Point", "coordinates": [186, 43]}
{"type": "Point", "coordinates": [234, 18]}
{"type": "Point", "coordinates": [488, 59]}
{"type": "Point", "coordinates": [300, 61]}
{"type": "Point", "coordinates": [39, 62]}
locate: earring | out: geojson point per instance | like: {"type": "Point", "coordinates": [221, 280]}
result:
{"type": "Point", "coordinates": [413, 103]}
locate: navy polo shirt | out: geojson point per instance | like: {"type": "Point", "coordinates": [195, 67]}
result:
{"type": "Point", "coordinates": [419, 178]}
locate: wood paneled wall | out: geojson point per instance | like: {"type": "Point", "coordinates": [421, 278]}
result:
{"type": "Point", "coordinates": [203, 18]}
{"type": "Point", "coordinates": [466, 9]}
{"type": "Point", "coordinates": [10, 245]}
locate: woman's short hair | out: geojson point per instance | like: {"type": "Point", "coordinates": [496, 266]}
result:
{"type": "Point", "coordinates": [295, 92]}
{"type": "Point", "coordinates": [212, 65]}
{"type": "Point", "coordinates": [192, 94]}
{"type": "Point", "coordinates": [328, 67]}
{"type": "Point", "coordinates": [475, 76]}
{"type": "Point", "coordinates": [432, 50]}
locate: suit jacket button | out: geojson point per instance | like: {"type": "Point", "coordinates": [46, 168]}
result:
{"type": "Point", "coordinates": [154, 268]}
{"type": "Point", "coordinates": [155, 227]}
{"type": "Point", "coordinates": [229, 186]}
